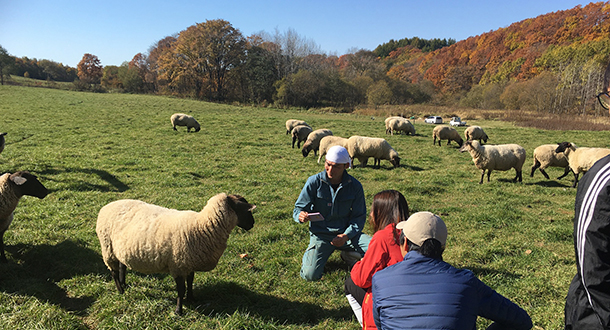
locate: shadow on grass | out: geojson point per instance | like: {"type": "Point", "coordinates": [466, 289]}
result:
{"type": "Point", "coordinates": [113, 181]}
{"type": "Point", "coordinates": [35, 271]}
{"type": "Point", "coordinates": [549, 183]}
{"type": "Point", "coordinates": [486, 271]}
{"type": "Point", "coordinates": [226, 298]}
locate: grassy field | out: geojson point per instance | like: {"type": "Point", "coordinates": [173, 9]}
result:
{"type": "Point", "coordinates": [91, 149]}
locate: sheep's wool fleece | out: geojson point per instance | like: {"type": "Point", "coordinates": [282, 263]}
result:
{"type": "Point", "coordinates": [153, 239]}
{"type": "Point", "coordinates": [8, 202]}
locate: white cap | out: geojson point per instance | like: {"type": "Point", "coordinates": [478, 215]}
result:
{"type": "Point", "coordinates": [338, 154]}
{"type": "Point", "coordinates": [423, 225]}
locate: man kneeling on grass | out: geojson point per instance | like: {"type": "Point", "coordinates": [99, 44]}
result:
{"type": "Point", "coordinates": [424, 292]}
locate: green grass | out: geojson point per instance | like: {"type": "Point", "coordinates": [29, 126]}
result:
{"type": "Point", "coordinates": [91, 149]}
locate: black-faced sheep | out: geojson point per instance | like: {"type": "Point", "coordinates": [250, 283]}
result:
{"type": "Point", "coordinates": [500, 157]}
{"type": "Point", "coordinates": [400, 125]}
{"type": "Point", "coordinates": [181, 119]}
{"type": "Point", "coordinates": [475, 133]}
{"type": "Point", "coordinates": [2, 141]}
{"type": "Point", "coordinates": [545, 156]}
{"type": "Point", "coordinates": [299, 134]}
{"type": "Point", "coordinates": [330, 141]}
{"type": "Point", "coordinates": [153, 239]}
{"type": "Point", "coordinates": [313, 141]}
{"type": "Point", "coordinates": [581, 159]}
{"type": "Point", "coordinates": [362, 147]}
{"type": "Point", "coordinates": [292, 123]}
{"type": "Point", "coordinates": [12, 188]}
{"type": "Point", "coordinates": [448, 133]}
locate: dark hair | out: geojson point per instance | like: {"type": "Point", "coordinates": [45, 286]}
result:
{"type": "Point", "coordinates": [389, 206]}
{"type": "Point", "coordinates": [431, 248]}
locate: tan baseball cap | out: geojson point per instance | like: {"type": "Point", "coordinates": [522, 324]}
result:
{"type": "Point", "coordinates": [423, 225]}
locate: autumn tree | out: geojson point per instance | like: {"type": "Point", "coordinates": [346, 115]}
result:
{"type": "Point", "coordinates": [203, 55]}
{"type": "Point", "coordinates": [89, 69]}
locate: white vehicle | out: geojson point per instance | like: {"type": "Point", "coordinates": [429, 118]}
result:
{"type": "Point", "coordinates": [457, 121]}
{"type": "Point", "coordinates": [434, 120]}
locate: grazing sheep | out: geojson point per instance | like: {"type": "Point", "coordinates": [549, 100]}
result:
{"type": "Point", "coordinates": [444, 132]}
{"type": "Point", "coordinates": [387, 121]}
{"type": "Point", "coordinates": [400, 125]}
{"type": "Point", "coordinates": [181, 119]}
{"type": "Point", "coordinates": [12, 188]}
{"type": "Point", "coordinates": [329, 141]}
{"type": "Point", "coordinates": [300, 133]}
{"type": "Point", "coordinates": [292, 123]}
{"type": "Point", "coordinates": [2, 141]}
{"type": "Point", "coordinates": [362, 147]}
{"type": "Point", "coordinates": [545, 156]}
{"type": "Point", "coordinates": [581, 159]}
{"type": "Point", "coordinates": [500, 157]}
{"type": "Point", "coordinates": [475, 133]}
{"type": "Point", "coordinates": [153, 239]}
{"type": "Point", "coordinates": [313, 141]}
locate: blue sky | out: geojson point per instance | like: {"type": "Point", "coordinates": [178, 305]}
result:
{"type": "Point", "coordinates": [115, 31]}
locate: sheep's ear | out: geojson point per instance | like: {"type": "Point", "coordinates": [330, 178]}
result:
{"type": "Point", "coordinates": [19, 180]}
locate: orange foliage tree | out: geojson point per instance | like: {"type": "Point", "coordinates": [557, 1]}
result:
{"type": "Point", "coordinates": [89, 69]}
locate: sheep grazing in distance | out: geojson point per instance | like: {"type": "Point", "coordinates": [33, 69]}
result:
{"type": "Point", "coordinates": [330, 141]}
{"type": "Point", "coordinates": [545, 156]}
{"type": "Point", "coordinates": [292, 123]}
{"type": "Point", "coordinates": [500, 157]}
{"type": "Point", "coordinates": [181, 119]}
{"type": "Point", "coordinates": [581, 159]}
{"type": "Point", "coordinates": [2, 142]}
{"type": "Point", "coordinates": [362, 147]}
{"type": "Point", "coordinates": [313, 141]}
{"type": "Point", "coordinates": [299, 134]}
{"type": "Point", "coordinates": [475, 133]}
{"type": "Point", "coordinates": [152, 239]}
{"type": "Point", "coordinates": [387, 121]}
{"type": "Point", "coordinates": [12, 188]}
{"type": "Point", "coordinates": [444, 132]}
{"type": "Point", "coordinates": [400, 125]}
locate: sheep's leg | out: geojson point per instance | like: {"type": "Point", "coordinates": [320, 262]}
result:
{"type": "Point", "coordinates": [117, 282]}
{"type": "Point", "coordinates": [488, 174]}
{"type": "Point", "coordinates": [567, 170]}
{"type": "Point", "coordinates": [518, 177]}
{"type": "Point", "coordinates": [575, 180]}
{"type": "Point", "coordinates": [122, 274]}
{"type": "Point", "coordinates": [175, 128]}
{"type": "Point", "coordinates": [482, 176]}
{"type": "Point", "coordinates": [534, 167]}
{"type": "Point", "coordinates": [376, 162]}
{"type": "Point", "coordinates": [544, 173]}
{"type": "Point", "coordinates": [2, 256]}
{"type": "Point", "coordinates": [189, 286]}
{"type": "Point", "coordinates": [294, 139]}
{"type": "Point", "coordinates": [181, 288]}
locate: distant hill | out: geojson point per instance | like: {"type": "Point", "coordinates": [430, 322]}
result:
{"type": "Point", "coordinates": [519, 52]}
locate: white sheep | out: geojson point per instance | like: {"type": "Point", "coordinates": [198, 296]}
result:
{"type": "Point", "coordinates": [475, 133]}
{"type": "Point", "coordinates": [330, 141]}
{"type": "Point", "coordinates": [400, 125]}
{"type": "Point", "coordinates": [387, 121]}
{"type": "Point", "coordinates": [2, 141]}
{"type": "Point", "coordinates": [181, 119]}
{"type": "Point", "coordinates": [300, 133]}
{"type": "Point", "coordinates": [500, 157]}
{"type": "Point", "coordinates": [545, 156]}
{"type": "Point", "coordinates": [12, 188]}
{"type": "Point", "coordinates": [581, 159]}
{"type": "Point", "coordinates": [362, 147]}
{"type": "Point", "coordinates": [153, 239]}
{"type": "Point", "coordinates": [444, 132]}
{"type": "Point", "coordinates": [313, 141]}
{"type": "Point", "coordinates": [292, 123]}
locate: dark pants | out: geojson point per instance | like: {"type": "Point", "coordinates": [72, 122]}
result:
{"type": "Point", "coordinates": [356, 291]}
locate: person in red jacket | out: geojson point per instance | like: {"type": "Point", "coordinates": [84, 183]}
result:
{"type": "Point", "coordinates": [389, 208]}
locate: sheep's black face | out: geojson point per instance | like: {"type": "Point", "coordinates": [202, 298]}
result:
{"type": "Point", "coordinates": [305, 151]}
{"type": "Point", "coordinates": [395, 161]}
{"type": "Point", "coordinates": [243, 209]}
{"type": "Point", "coordinates": [465, 147]}
{"type": "Point", "coordinates": [28, 184]}
{"type": "Point", "coordinates": [460, 142]}
{"type": "Point", "coordinates": [562, 147]}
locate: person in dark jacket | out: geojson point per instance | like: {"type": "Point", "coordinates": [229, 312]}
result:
{"type": "Point", "coordinates": [424, 292]}
{"type": "Point", "coordinates": [588, 300]}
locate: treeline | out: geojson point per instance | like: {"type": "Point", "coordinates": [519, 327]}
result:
{"type": "Point", "coordinates": [551, 63]}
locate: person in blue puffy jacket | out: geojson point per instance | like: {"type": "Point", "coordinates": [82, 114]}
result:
{"type": "Point", "coordinates": [333, 203]}
{"type": "Point", "coordinates": [424, 292]}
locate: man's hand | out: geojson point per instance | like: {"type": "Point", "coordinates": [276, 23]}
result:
{"type": "Point", "coordinates": [303, 217]}
{"type": "Point", "coordinates": [339, 240]}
